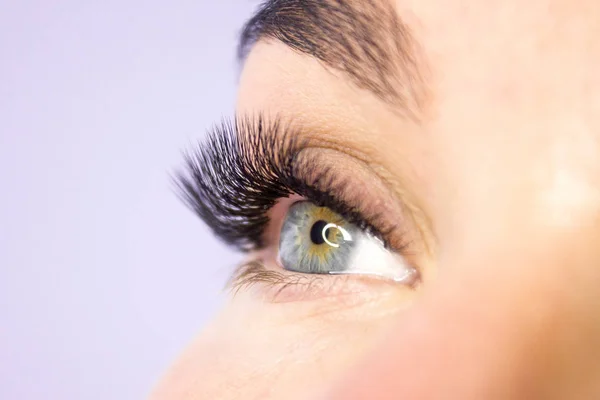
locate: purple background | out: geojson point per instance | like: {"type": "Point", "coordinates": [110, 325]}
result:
{"type": "Point", "coordinates": [104, 275]}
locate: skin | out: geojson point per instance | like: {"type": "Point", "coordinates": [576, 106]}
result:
{"type": "Point", "coordinates": [501, 180]}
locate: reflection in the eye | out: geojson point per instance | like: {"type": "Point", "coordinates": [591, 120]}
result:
{"type": "Point", "coordinates": [345, 234]}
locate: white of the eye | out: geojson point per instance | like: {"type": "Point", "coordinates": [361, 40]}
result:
{"type": "Point", "coordinates": [371, 258]}
{"type": "Point", "coordinates": [345, 234]}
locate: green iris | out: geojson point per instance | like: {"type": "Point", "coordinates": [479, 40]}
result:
{"type": "Point", "coordinates": [315, 240]}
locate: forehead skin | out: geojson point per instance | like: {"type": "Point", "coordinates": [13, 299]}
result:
{"type": "Point", "coordinates": [504, 165]}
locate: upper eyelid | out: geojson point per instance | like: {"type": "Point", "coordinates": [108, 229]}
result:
{"type": "Point", "coordinates": [386, 211]}
{"type": "Point", "coordinates": [334, 139]}
{"type": "Point", "coordinates": [397, 192]}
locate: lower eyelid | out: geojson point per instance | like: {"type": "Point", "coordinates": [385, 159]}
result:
{"type": "Point", "coordinates": [276, 285]}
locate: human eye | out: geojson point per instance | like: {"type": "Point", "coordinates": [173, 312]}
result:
{"type": "Point", "coordinates": [316, 240]}
{"type": "Point", "coordinates": [310, 219]}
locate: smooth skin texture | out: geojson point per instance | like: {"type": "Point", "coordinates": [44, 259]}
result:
{"type": "Point", "coordinates": [502, 174]}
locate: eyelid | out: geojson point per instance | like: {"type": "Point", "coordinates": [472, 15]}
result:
{"type": "Point", "coordinates": [276, 285]}
{"type": "Point", "coordinates": [357, 187]}
{"type": "Point", "coordinates": [394, 188]}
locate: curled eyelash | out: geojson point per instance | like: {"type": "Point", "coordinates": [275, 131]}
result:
{"type": "Point", "coordinates": [236, 176]}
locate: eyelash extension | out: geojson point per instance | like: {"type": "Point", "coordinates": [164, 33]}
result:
{"type": "Point", "coordinates": [233, 178]}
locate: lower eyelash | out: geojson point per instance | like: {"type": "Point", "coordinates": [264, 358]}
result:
{"type": "Point", "coordinates": [255, 272]}
{"type": "Point", "coordinates": [281, 286]}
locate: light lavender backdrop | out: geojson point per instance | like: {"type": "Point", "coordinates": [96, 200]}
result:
{"type": "Point", "coordinates": [104, 275]}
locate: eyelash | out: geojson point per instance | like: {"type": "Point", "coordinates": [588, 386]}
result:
{"type": "Point", "coordinates": [236, 176]}
{"type": "Point", "coordinates": [280, 287]}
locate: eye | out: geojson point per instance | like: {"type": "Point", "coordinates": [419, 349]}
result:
{"type": "Point", "coordinates": [316, 240]}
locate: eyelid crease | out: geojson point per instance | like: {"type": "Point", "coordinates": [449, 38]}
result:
{"type": "Point", "coordinates": [366, 156]}
{"type": "Point", "coordinates": [386, 212]}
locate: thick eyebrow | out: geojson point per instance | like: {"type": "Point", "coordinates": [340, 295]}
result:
{"type": "Point", "coordinates": [365, 39]}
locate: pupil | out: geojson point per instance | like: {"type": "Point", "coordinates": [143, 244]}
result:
{"type": "Point", "coordinates": [316, 232]}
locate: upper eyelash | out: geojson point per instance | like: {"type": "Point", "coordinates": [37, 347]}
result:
{"type": "Point", "coordinates": [233, 178]}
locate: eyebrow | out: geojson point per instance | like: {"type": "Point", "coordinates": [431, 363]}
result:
{"type": "Point", "coordinates": [365, 39]}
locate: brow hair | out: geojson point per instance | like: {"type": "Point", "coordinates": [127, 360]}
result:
{"type": "Point", "coordinates": [365, 39]}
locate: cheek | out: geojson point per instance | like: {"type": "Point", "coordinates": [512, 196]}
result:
{"type": "Point", "coordinates": [487, 336]}
{"type": "Point", "coordinates": [260, 350]}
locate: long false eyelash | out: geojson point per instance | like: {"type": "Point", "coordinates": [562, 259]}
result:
{"type": "Point", "coordinates": [232, 179]}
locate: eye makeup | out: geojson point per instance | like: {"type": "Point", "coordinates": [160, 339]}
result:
{"type": "Point", "coordinates": [234, 178]}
